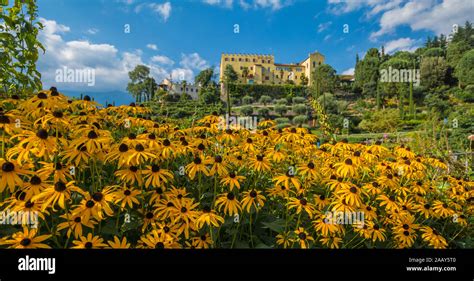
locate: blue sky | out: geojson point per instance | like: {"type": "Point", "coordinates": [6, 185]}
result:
{"type": "Point", "coordinates": [183, 37]}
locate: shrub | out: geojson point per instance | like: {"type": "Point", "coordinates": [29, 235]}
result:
{"type": "Point", "coordinates": [300, 119]}
{"type": "Point", "coordinates": [247, 100]}
{"type": "Point", "coordinates": [283, 125]}
{"type": "Point", "coordinates": [246, 110]}
{"type": "Point", "coordinates": [265, 100]}
{"type": "Point", "coordinates": [382, 121]}
{"type": "Point", "coordinates": [282, 101]}
{"type": "Point", "coordinates": [281, 109]}
{"type": "Point", "coordinates": [297, 100]}
{"type": "Point", "coordinates": [299, 109]}
{"type": "Point", "coordinates": [263, 111]}
{"type": "Point", "coordinates": [282, 120]}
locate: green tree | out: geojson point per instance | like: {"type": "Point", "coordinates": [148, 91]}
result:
{"type": "Point", "coordinates": [465, 69]}
{"type": "Point", "coordinates": [433, 71]}
{"type": "Point", "coordinates": [205, 77]}
{"type": "Point", "coordinates": [245, 74]}
{"type": "Point", "coordinates": [265, 100]}
{"type": "Point", "coordinates": [247, 100]}
{"type": "Point", "coordinates": [19, 29]}
{"type": "Point", "coordinates": [455, 52]}
{"type": "Point", "coordinates": [142, 86]}
{"type": "Point", "coordinates": [304, 80]}
{"type": "Point", "coordinates": [246, 110]}
{"type": "Point", "coordinates": [230, 76]}
{"type": "Point", "coordinates": [281, 109]}
{"type": "Point", "coordinates": [324, 80]}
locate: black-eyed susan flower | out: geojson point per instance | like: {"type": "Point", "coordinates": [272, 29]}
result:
{"type": "Point", "coordinates": [252, 198]}
{"type": "Point", "coordinates": [89, 242]}
{"type": "Point", "coordinates": [229, 203]}
{"type": "Point", "coordinates": [27, 239]}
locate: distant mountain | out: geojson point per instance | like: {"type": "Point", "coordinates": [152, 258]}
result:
{"type": "Point", "coordinates": [119, 97]}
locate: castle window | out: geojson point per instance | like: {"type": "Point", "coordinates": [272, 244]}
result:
{"type": "Point", "coordinates": [254, 60]}
{"type": "Point", "coordinates": [268, 61]}
{"type": "Point", "coordinates": [296, 77]}
{"type": "Point", "coordinates": [319, 63]}
{"type": "Point", "coordinates": [263, 61]}
{"type": "Point", "coordinates": [232, 59]}
{"type": "Point", "coordinates": [266, 78]}
{"type": "Point", "coordinates": [246, 59]}
{"type": "Point", "coordinates": [251, 68]}
{"type": "Point", "coordinates": [314, 64]}
{"type": "Point", "coordinates": [240, 59]}
{"type": "Point", "coordinates": [276, 76]}
{"type": "Point", "coordinates": [181, 89]}
{"type": "Point", "coordinates": [226, 59]}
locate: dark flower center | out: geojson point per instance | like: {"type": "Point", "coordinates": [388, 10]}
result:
{"type": "Point", "coordinates": [406, 233]}
{"type": "Point", "coordinates": [230, 196]}
{"type": "Point", "coordinates": [98, 196]}
{"type": "Point", "coordinates": [155, 168]}
{"type": "Point", "coordinates": [8, 167]}
{"type": "Point", "coordinates": [218, 159]}
{"type": "Point", "coordinates": [427, 206]}
{"type": "Point", "coordinates": [253, 194]}
{"type": "Point", "coordinates": [77, 219]}
{"type": "Point", "coordinates": [303, 202]}
{"type": "Point", "coordinates": [123, 148]}
{"type": "Point", "coordinates": [159, 245]}
{"type": "Point", "coordinates": [310, 165]}
{"type": "Point", "coordinates": [259, 158]}
{"type": "Point", "coordinates": [134, 169]}
{"type": "Point", "coordinates": [29, 204]}
{"type": "Point", "coordinates": [92, 135]}
{"type": "Point", "coordinates": [90, 204]}
{"type": "Point", "coordinates": [249, 140]}
{"type": "Point", "coordinates": [184, 210]}
{"type": "Point", "coordinates": [197, 161]}
{"type": "Point", "coordinates": [4, 119]}
{"type": "Point", "coordinates": [139, 148]}
{"type": "Point", "coordinates": [353, 190]}
{"type": "Point", "coordinates": [151, 136]}
{"type": "Point", "coordinates": [60, 186]}
{"type": "Point", "coordinates": [58, 114]}
{"type": "Point", "coordinates": [166, 142]}
{"type": "Point", "coordinates": [25, 242]}
{"type": "Point", "coordinates": [88, 245]}
{"type": "Point", "coordinates": [149, 215]}
{"type": "Point", "coordinates": [405, 226]}
{"type": "Point", "coordinates": [42, 96]}
{"type": "Point", "coordinates": [392, 198]}
{"type": "Point", "coordinates": [348, 161]}
{"type": "Point", "coordinates": [87, 98]}
{"type": "Point", "coordinates": [368, 208]}
{"type": "Point", "coordinates": [302, 235]}
{"type": "Point", "coordinates": [201, 146]}
{"type": "Point", "coordinates": [42, 134]}
{"type": "Point", "coordinates": [35, 180]}
{"type": "Point", "coordinates": [206, 209]}
{"type": "Point", "coordinates": [127, 192]}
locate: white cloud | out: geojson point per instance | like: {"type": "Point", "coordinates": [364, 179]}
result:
{"type": "Point", "coordinates": [224, 3]}
{"type": "Point", "coordinates": [110, 65]}
{"type": "Point", "coordinates": [92, 31]}
{"type": "Point", "coordinates": [180, 74]}
{"type": "Point", "coordinates": [162, 60]}
{"type": "Point", "coordinates": [152, 47]}
{"type": "Point", "coordinates": [323, 26]}
{"type": "Point", "coordinates": [164, 10]}
{"type": "Point", "coordinates": [437, 16]}
{"type": "Point", "coordinates": [247, 4]}
{"type": "Point", "coordinates": [349, 71]}
{"type": "Point", "coordinates": [327, 37]}
{"type": "Point", "coordinates": [193, 61]}
{"type": "Point", "coordinates": [401, 44]}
